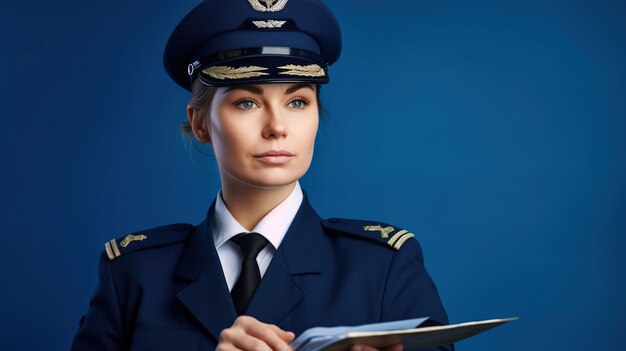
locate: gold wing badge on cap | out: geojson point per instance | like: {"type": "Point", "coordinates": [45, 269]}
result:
{"type": "Point", "coordinates": [269, 24]}
{"type": "Point", "coordinates": [396, 241]}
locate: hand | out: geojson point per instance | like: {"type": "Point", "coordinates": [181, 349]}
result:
{"type": "Point", "coordinates": [361, 347]}
{"type": "Point", "coordinates": [248, 334]}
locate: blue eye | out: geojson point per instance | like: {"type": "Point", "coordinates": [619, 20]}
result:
{"type": "Point", "coordinates": [246, 104]}
{"type": "Point", "coordinates": [298, 103]}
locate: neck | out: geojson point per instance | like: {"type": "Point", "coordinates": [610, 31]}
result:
{"type": "Point", "coordinates": [248, 204]}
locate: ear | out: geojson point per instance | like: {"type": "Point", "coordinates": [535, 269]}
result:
{"type": "Point", "coordinates": [198, 125]}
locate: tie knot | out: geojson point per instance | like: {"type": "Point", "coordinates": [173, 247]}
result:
{"type": "Point", "coordinates": [250, 244]}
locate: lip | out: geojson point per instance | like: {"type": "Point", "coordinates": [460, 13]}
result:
{"type": "Point", "coordinates": [275, 157]}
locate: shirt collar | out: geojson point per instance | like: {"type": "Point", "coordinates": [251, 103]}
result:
{"type": "Point", "coordinates": [273, 226]}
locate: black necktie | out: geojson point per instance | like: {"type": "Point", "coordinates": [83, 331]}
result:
{"type": "Point", "coordinates": [250, 244]}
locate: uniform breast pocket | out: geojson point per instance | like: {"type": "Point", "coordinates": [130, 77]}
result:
{"type": "Point", "coordinates": [157, 339]}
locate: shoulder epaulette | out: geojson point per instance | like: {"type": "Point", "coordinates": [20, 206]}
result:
{"type": "Point", "coordinates": [376, 231]}
{"type": "Point", "coordinates": [154, 237]}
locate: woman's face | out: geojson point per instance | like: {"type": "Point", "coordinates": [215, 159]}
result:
{"type": "Point", "coordinates": [263, 135]}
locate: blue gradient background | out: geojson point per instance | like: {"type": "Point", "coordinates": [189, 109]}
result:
{"type": "Point", "coordinates": [494, 130]}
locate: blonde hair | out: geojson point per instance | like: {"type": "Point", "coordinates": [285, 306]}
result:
{"type": "Point", "coordinates": [201, 97]}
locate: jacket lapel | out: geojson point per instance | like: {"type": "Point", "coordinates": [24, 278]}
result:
{"type": "Point", "coordinates": [207, 296]}
{"type": "Point", "coordinates": [299, 253]}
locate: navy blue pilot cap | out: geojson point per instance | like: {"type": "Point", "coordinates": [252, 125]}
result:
{"type": "Point", "coordinates": [235, 42]}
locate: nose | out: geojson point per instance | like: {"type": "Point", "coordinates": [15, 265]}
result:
{"type": "Point", "coordinates": [275, 127]}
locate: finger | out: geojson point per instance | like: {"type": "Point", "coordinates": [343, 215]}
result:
{"type": "Point", "coordinates": [236, 337]}
{"type": "Point", "coordinates": [396, 347]}
{"type": "Point", "coordinates": [287, 336]}
{"type": "Point", "coordinates": [363, 347]}
{"type": "Point", "coordinates": [248, 342]}
{"type": "Point", "coordinates": [273, 336]}
{"type": "Point", "coordinates": [226, 346]}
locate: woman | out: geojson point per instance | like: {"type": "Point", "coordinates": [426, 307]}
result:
{"type": "Point", "coordinates": [263, 266]}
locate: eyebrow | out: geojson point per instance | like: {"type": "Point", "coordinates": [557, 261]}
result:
{"type": "Point", "coordinates": [298, 87]}
{"type": "Point", "coordinates": [251, 88]}
{"type": "Point", "coordinates": [259, 91]}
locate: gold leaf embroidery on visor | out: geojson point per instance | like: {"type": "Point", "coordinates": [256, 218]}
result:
{"type": "Point", "coordinates": [312, 70]}
{"type": "Point", "coordinates": [225, 72]}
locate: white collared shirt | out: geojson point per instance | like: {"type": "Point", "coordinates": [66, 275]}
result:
{"type": "Point", "coordinates": [273, 227]}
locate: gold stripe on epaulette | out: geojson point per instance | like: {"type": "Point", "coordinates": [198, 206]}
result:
{"type": "Point", "coordinates": [116, 250]}
{"type": "Point", "coordinates": [401, 241]}
{"type": "Point", "coordinates": [107, 248]}
{"type": "Point", "coordinates": [396, 236]}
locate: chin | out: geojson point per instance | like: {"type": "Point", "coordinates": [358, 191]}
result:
{"type": "Point", "coordinates": [272, 183]}
{"type": "Point", "coordinates": [272, 179]}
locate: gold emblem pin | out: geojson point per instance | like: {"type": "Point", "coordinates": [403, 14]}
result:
{"type": "Point", "coordinates": [384, 232]}
{"type": "Point", "coordinates": [268, 5]}
{"type": "Point", "coordinates": [130, 238]}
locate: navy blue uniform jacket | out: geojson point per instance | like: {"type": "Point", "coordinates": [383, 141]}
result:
{"type": "Point", "coordinates": [166, 290]}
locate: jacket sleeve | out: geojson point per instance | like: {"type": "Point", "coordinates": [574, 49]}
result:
{"type": "Point", "coordinates": [409, 290]}
{"type": "Point", "coordinates": [101, 327]}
